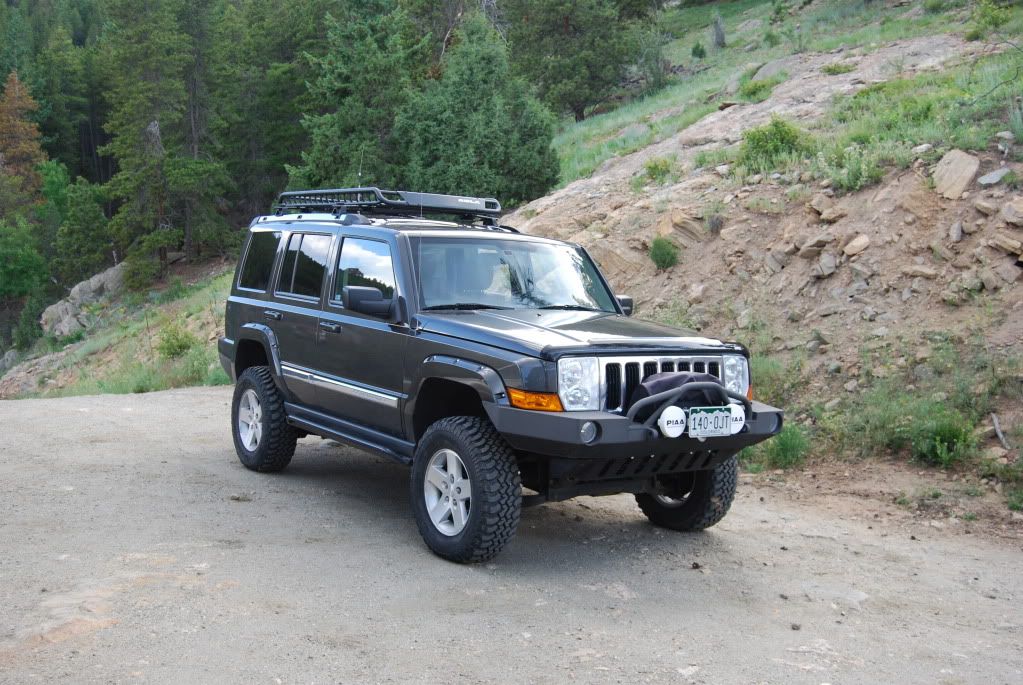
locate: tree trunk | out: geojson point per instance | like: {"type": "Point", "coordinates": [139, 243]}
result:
{"type": "Point", "coordinates": [580, 112]}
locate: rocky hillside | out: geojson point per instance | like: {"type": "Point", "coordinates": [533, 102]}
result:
{"type": "Point", "coordinates": [932, 247]}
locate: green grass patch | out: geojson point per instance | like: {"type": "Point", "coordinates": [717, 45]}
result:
{"type": "Point", "coordinates": [837, 68]}
{"type": "Point", "coordinates": [658, 169]}
{"type": "Point", "coordinates": [760, 90]}
{"type": "Point", "coordinates": [785, 450]}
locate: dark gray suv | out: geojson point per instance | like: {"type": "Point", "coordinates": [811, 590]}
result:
{"type": "Point", "coordinates": [491, 362]}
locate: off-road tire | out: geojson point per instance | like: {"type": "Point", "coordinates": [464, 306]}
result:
{"type": "Point", "coordinates": [277, 444]}
{"type": "Point", "coordinates": [708, 501]}
{"type": "Point", "coordinates": [496, 489]}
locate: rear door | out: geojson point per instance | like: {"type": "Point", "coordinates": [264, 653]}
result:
{"type": "Point", "coordinates": [362, 356]}
{"type": "Point", "coordinates": [295, 311]}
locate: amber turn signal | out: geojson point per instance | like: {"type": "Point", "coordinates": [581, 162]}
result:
{"type": "Point", "coordinates": [749, 392]}
{"type": "Point", "coordinates": [538, 401]}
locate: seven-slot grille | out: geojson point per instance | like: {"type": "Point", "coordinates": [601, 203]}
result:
{"type": "Point", "coordinates": [619, 376]}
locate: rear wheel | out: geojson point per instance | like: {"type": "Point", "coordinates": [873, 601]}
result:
{"type": "Point", "coordinates": [262, 437]}
{"type": "Point", "coordinates": [692, 501]}
{"type": "Point", "coordinates": [466, 491]}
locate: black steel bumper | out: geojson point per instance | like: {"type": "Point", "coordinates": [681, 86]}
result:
{"type": "Point", "coordinates": [621, 437]}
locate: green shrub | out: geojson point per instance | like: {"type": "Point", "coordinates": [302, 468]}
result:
{"type": "Point", "coordinates": [28, 329]}
{"type": "Point", "coordinates": [175, 341]}
{"type": "Point", "coordinates": [1015, 499]}
{"type": "Point", "coordinates": [699, 52]}
{"type": "Point", "coordinates": [942, 437]}
{"type": "Point", "coordinates": [934, 6]}
{"type": "Point", "coordinates": [657, 169]}
{"type": "Point", "coordinates": [850, 169]}
{"type": "Point", "coordinates": [664, 253]}
{"type": "Point", "coordinates": [836, 68]}
{"type": "Point", "coordinates": [772, 39]}
{"type": "Point", "coordinates": [763, 147]}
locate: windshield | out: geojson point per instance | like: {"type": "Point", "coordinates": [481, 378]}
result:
{"type": "Point", "coordinates": [467, 273]}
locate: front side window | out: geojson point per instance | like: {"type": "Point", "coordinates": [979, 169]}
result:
{"type": "Point", "coordinates": [467, 273]}
{"type": "Point", "coordinates": [365, 263]}
{"type": "Point", "coordinates": [259, 260]}
{"type": "Point", "coordinates": [305, 263]}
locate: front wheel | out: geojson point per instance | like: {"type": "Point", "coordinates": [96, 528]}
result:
{"type": "Point", "coordinates": [466, 490]}
{"type": "Point", "coordinates": [692, 501]}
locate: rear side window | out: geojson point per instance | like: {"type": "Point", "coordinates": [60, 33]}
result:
{"type": "Point", "coordinates": [305, 264]}
{"type": "Point", "coordinates": [364, 263]}
{"type": "Point", "coordinates": [259, 261]}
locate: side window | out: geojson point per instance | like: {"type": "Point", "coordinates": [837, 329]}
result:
{"type": "Point", "coordinates": [259, 261]}
{"type": "Point", "coordinates": [305, 264]}
{"type": "Point", "coordinates": [364, 263]}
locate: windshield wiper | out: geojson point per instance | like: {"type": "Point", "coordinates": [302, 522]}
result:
{"type": "Point", "coordinates": [573, 307]}
{"type": "Point", "coordinates": [462, 305]}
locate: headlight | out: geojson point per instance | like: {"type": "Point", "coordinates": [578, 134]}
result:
{"type": "Point", "coordinates": [736, 373]}
{"type": "Point", "coordinates": [579, 383]}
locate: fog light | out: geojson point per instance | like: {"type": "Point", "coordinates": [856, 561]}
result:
{"type": "Point", "coordinates": [588, 432]}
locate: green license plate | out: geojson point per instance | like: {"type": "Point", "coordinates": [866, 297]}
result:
{"type": "Point", "coordinates": [710, 422]}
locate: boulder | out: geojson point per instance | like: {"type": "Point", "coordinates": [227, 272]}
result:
{"type": "Point", "coordinates": [994, 177]}
{"type": "Point", "coordinates": [820, 203]}
{"type": "Point", "coordinates": [1012, 212]}
{"type": "Point", "coordinates": [1009, 272]}
{"type": "Point", "coordinates": [990, 279]}
{"type": "Point", "coordinates": [955, 232]}
{"type": "Point", "coordinates": [812, 247]}
{"type": "Point", "coordinates": [833, 214]}
{"type": "Point", "coordinates": [922, 149]}
{"type": "Point", "coordinates": [919, 271]}
{"type": "Point", "coordinates": [857, 245]}
{"type": "Point", "coordinates": [9, 359]}
{"type": "Point", "coordinates": [954, 174]}
{"type": "Point", "coordinates": [1007, 243]}
{"type": "Point", "coordinates": [64, 317]}
{"type": "Point", "coordinates": [827, 264]}
{"type": "Point", "coordinates": [985, 206]}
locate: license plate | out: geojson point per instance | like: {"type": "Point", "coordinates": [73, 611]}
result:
{"type": "Point", "coordinates": [710, 422]}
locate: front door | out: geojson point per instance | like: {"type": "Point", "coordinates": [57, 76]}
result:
{"type": "Point", "coordinates": [295, 311]}
{"type": "Point", "coordinates": [362, 355]}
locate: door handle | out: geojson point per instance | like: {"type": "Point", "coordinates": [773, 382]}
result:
{"type": "Point", "coordinates": [330, 327]}
{"type": "Point", "coordinates": [273, 314]}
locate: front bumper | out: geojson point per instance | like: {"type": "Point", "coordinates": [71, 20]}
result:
{"type": "Point", "coordinates": [559, 435]}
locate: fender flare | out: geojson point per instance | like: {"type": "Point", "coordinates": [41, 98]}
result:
{"type": "Point", "coordinates": [264, 335]}
{"type": "Point", "coordinates": [484, 380]}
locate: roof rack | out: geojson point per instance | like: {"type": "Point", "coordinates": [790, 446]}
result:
{"type": "Point", "coordinates": [372, 200]}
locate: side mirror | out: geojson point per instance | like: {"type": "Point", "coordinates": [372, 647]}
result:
{"type": "Point", "coordinates": [626, 304]}
{"type": "Point", "coordinates": [365, 300]}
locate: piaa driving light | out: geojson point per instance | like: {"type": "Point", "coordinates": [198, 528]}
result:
{"type": "Point", "coordinates": [579, 383]}
{"type": "Point", "coordinates": [736, 373]}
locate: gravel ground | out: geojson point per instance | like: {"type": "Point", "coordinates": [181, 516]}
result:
{"type": "Point", "coordinates": [135, 548]}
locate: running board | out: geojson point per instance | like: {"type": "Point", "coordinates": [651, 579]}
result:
{"type": "Point", "coordinates": [349, 433]}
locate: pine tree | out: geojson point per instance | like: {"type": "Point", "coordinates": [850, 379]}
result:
{"type": "Point", "coordinates": [148, 54]}
{"type": "Point", "coordinates": [83, 245]}
{"type": "Point", "coordinates": [476, 130]}
{"type": "Point", "coordinates": [574, 51]}
{"type": "Point", "coordinates": [371, 66]}
{"type": "Point", "coordinates": [20, 151]}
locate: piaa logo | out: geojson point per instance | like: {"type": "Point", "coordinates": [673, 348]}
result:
{"type": "Point", "coordinates": [672, 422]}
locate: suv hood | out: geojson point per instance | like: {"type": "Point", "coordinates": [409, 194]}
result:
{"type": "Point", "coordinates": [552, 333]}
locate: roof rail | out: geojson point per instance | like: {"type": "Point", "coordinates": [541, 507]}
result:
{"type": "Point", "coordinates": [372, 200]}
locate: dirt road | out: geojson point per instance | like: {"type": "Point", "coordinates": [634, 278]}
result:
{"type": "Point", "coordinates": [135, 548]}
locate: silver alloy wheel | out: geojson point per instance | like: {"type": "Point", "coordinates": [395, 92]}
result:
{"type": "Point", "coordinates": [448, 492]}
{"type": "Point", "coordinates": [250, 420]}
